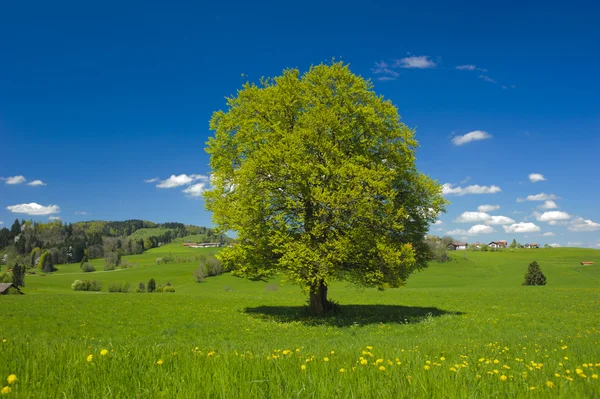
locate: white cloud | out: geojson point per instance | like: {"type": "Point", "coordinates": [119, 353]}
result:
{"type": "Point", "coordinates": [80, 213]}
{"type": "Point", "coordinates": [499, 220]}
{"type": "Point", "coordinates": [54, 218]}
{"type": "Point", "coordinates": [488, 208]}
{"type": "Point", "coordinates": [151, 180]}
{"type": "Point", "coordinates": [540, 197]}
{"type": "Point", "coordinates": [552, 216]}
{"type": "Point", "coordinates": [548, 234]}
{"type": "Point", "coordinates": [180, 180]}
{"type": "Point", "coordinates": [1, 222]}
{"type": "Point", "coordinates": [475, 135]}
{"type": "Point", "coordinates": [34, 209]}
{"type": "Point", "coordinates": [555, 245]}
{"type": "Point", "coordinates": [581, 224]}
{"type": "Point", "coordinates": [448, 189]}
{"type": "Point", "coordinates": [523, 227]}
{"type": "Point", "coordinates": [420, 62]}
{"type": "Point", "coordinates": [535, 177]}
{"type": "Point", "coordinates": [383, 69]}
{"type": "Point", "coordinates": [15, 179]}
{"type": "Point", "coordinates": [474, 230]}
{"type": "Point", "coordinates": [195, 190]}
{"type": "Point", "coordinates": [36, 183]}
{"type": "Point", "coordinates": [470, 67]}
{"type": "Point", "coordinates": [472, 217]}
{"type": "Point", "coordinates": [438, 222]}
{"type": "Point", "coordinates": [574, 244]}
{"type": "Point", "coordinates": [548, 205]}
{"type": "Point", "coordinates": [487, 79]}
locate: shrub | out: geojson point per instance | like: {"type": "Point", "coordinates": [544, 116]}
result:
{"type": "Point", "coordinates": [534, 275]}
{"type": "Point", "coordinates": [159, 289]}
{"type": "Point", "coordinates": [111, 260]}
{"type": "Point", "coordinates": [118, 287]}
{"type": "Point", "coordinates": [141, 288]}
{"type": "Point", "coordinates": [86, 285]}
{"type": "Point", "coordinates": [87, 267]}
{"type": "Point", "coordinates": [168, 288]}
{"type": "Point", "coordinates": [151, 285]}
{"type": "Point", "coordinates": [200, 273]}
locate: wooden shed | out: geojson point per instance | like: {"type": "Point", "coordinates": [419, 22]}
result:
{"type": "Point", "coordinates": [4, 287]}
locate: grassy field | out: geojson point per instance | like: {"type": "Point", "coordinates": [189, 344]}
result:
{"type": "Point", "coordinates": [465, 328]}
{"type": "Point", "coordinates": [146, 232]}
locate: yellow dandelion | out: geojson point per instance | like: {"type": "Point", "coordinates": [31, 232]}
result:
{"type": "Point", "coordinates": [286, 352]}
{"type": "Point", "coordinates": [342, 370]}
{"type": "Point", "coordinates": [104, 352]}
{"type": "Point", "coordinates": [452, 369]}
{"type": "Point", "coordinates": [566, 358]}
{"type": "Point", "coordinates": [90, 358]}
{"type": "Point", "coordinates": [503, 378]}
{"type": "Point", "coordinates": [369, 347]}
{"type": "Point", "coordinates": [556, 375]}
{"type": "Point", "coordinates": [333, 352]}
{"type": "Point", "coordinates": [496, 361]}
{"type": "Point", "coordinates": [11, 379]}
{"type": "Point", "coordinates": [325, 359]}
{"type": "Point", "coordinates": [426, 367]}
{"type": "Point", "coordinates": [496, 371]}
{"type": "Point", "coordinates": [442, 358]}
{"type": "Point", "coordinates": [159, 362]}
{"type": "Point", "coordinates": [381, 368]}
{"type": "Point", "coordinates": [363, 361]}
{"type": "Point", "coordinates": [532, 388]}
{"type": "Point", "coordinates": [549, 384]}
{"type": "Point", "coordinates": [6, 390]}
{"type": "Point", "coordinates": [4, 340]}
{"type": "Point", "coordinates": [570, 379]}
{"type": "Point", "coordinates": [595, 376]}
{"type": "Point", "coordinates": [303, 367]}
{"type": "Point", "coordinates": [579, 371]}
{"type": "Point", "coordinates": [378, 361]}
{"type": "Point", "coordinates": [563, 347]}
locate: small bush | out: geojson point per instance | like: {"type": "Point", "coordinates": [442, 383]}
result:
{"type": "Point", "coordinates": [141, 288]}
{"type": "Point", "coordinates": [86, 285]}
{"type": "Point", "coordinates": [118, 287]}
{"type": "Point", "coordinates": [168, 288]}
{"type": "Point", "coordinates": [200, 274]}
{"type": "Point", "coordinates": [87, 267]}
{"type": "Point", "coordinates": [534, 275]}
{"type": "Point", "coordinates": [159, 289]}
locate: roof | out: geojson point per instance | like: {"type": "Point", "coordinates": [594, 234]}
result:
{"type": "Point", "coordinates": [458, 243]}
{"type": "Point", "coordinates": [6, 286]}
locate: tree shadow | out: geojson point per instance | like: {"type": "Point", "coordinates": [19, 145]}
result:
{"type": "Point", "coordinates": [350, 315]}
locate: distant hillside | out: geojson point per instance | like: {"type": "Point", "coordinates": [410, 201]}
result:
{"type": "Point", "coordinates": [26, 241]}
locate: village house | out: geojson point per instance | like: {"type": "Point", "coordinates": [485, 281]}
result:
{"type": "Point", "coordinates": [457, 246]}
{"type": "Point", "coordinates": [497, 244]}
{"type": "Point", "coordinates": [531, 246]}
{"type": "Point", "coordinates": [202, 244]}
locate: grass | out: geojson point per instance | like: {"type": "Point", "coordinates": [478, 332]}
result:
{"type": "Point", "coordinates": [148, 232]}
{"type": "Point", "coordinates": [466, 328]}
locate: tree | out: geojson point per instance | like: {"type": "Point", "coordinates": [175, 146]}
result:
{"type": "Point", "coordinates": [317, 175]}
{"type": "Point", "coordinates": [513, 244]}
{"type": "Point", "coordinates": [15, 230]}
{"type": "Point", "coordinates": [534, 275]}
{"type": "Point", "coordinates": [18, 273]}
{"type": "Point", "coordinates": [151, 285]}
{"type": "Point", "coordinates": [46, 263]}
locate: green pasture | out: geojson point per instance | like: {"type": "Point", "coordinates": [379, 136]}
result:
{"type": "Point", "coordinates": [466, 328]}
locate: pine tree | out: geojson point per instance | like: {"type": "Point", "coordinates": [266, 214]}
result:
{"type": "Point", "coordinates": [513, 244]}
{"type": "Point", "coordinates": [18, 273]}
{"type": "Point", "coordinates": [151, 285]}
{"type": "Point", "coordinates": [534, 275]}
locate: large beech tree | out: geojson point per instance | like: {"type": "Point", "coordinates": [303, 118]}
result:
{"type": "Point", "coordinates": [316, 173]}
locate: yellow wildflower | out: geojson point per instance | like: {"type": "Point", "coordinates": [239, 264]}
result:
{"type": "Point", "coordinates": [286, 352]}
{"type": "Point", "coordinates": [378, 361]}
{"type": "Point", "coordinates": [303, 367]}
{"type": "Point", "coordinates": [11, 379]}
{"type": "Point", "coordinates": [381, 368]}
{"type": "Point", "coordinates": [363, 361]}
{"type": "Point", "coordinates": [6, 390]}
{"type": "Point", "coordinates": [579, 371]}
{"type": "Point", "coordinates": [342, 370]}
{"type": "Point", "coordinates": [556, 375]}
{"type": "Point", "coordinates": [496, 361]}
{"type": "Point", "coordinates": [159, 362]}
{"type": "Point", "coordinates": [452, 369]}
{"type": "Point", "coordinates": [427, 367]}
{"type": "Point", "coordinates": [442, 358]}
{"type": "Point", "coordinates": [332, 352]}
{"type": "Point", "coordinates": [90, 358]}
{"type": "Point", "coordinates": [104, 352]}
{"type": "Point", "coordinates": [369, 347]}
{"type": "Point", "coordinates": [503, 378]}
{"type": "Point", "coordinates": [531, 388]}
{"type": "Point", "coordinates": [595, 376]}
{"type": "Point", "coordinates": [325, 359]}
{"type": "Point", "coordinates": [550, 384]}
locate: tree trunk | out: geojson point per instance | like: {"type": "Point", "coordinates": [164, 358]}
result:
{"type": "Point", "coordinates": [318, 298]}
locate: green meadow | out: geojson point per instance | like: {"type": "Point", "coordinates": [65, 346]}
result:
{"type": "Point", "coordinates": [465, 328]}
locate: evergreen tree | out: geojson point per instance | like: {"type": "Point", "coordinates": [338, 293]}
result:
{"type": "Point", "coordinates": [534, 275]}
{"type": "Point", "coordinates": [18, 275]}
{"type": "Point", "coordinates": [513, 244]}
{"type": "Point", "coordinates": [16, 228]}
{"type": "Point", "coordinates": [151, 285]}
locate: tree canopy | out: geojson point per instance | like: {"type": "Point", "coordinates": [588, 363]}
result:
{"type": "Point", "coordinates": [316, 173]}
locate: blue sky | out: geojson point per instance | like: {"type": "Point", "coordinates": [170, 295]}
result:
{"type": "Point", "coordinates": [96, 98]}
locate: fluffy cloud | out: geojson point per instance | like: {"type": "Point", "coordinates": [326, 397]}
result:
{"type": "Point", "coordinates": [548, 205]}
{"type": "Point", "coordinates": [420, 62]}
{"type": "Point", "coordinates": [36, 183]}
{"type": "Point", "coordinates": [535, 177]}
{"type": "Point", "coordinates": [54, 218]}
{"type": "Point", "coordinates": [574, 244]}
{"type": "Point", "coordinates": [80, 213]}
{"type": "Point", "coordinates": [555, 245]}
{"type": "Point", "coordinates": [151, 180]}
{"type": "Point", "coordinates": [14, 179]}
{"type": "Point", "coordinates": [581, 224]}
{"type": "Point", "coordinates": [1, 222]}
{"type": "Point", "coordinates": [448, 189]}
{"type": "Point", "coordinates": [195, 190]}
{"type": "Point", "coordinates": [34, 209]}
{"type": "Point", "coordinates": [548, 234]}
{"type": "Point", "coordinates": [438, 222]}
{"type": "Point", "coordinates": [180, 180]}
{"type": "Point", "coordinates": [470, 67]}
{"type": "Point", "coordinates": [499, 220]}
{"type": "Point", "coordinates": [383, 69]}
{"type": "Point", "coordinates": [552, 216]}
{"type": "Point", "coordinates": [472, 217]}
{"type": "Point", "coordinates": [488, 208]}
{"type": "Point", "coordinates": [487, 79]}
{"type": "Point", "coordinates": [471, 136]}
{"type": "Point", "coordinates": [473, 231]}
{"type": "Point", "coordinates": [541, 197]}
{"type": "Point", "coordinates": [523, 227]}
